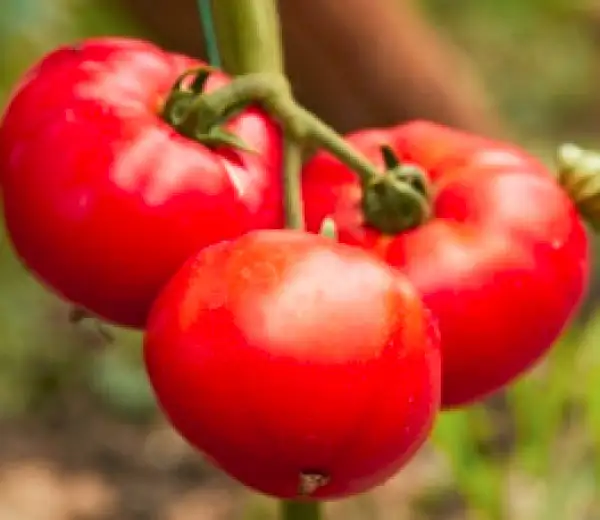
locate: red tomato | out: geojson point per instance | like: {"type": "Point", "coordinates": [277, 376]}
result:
{"type": "Point", "coordinates": [104, 200]}
{"type": "Point", "coordinates": [295, 362]}
{"type": "Point", "coordinates": [502, 263]}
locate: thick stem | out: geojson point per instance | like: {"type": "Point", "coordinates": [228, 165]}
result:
{"type": "Point", "coordinates": [249, 35]}
{"type": "Point", "coordinates": [291, 510]}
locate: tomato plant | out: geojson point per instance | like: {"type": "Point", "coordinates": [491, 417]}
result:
{"type": "Point", "coordinates": [103, 198]}
{"type": "Point", "coordinates": [502, 261]}
{"type": "Point", "coordinates": [298, 365]}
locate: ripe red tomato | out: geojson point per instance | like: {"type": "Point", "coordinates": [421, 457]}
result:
{"type": "Point", "coordinates": [103, 199]}
{"type": "Point", "coordinates": [502, 263]}
{"type": "Point", "coordinates": [298, 365]}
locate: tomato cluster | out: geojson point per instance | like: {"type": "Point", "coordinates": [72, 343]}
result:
{"type": "Point", "coordinates": [301, 365]}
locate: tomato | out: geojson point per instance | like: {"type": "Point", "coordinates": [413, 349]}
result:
{"type": "Point", "coordinates": [298, 365]}
{"type": "Point", "coordinates": [103, 199]}
{"type": "Point", "coordinates": [502, 262]}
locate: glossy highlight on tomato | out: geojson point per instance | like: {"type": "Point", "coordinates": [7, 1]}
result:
{"type": "Point", "coordinates": [104, 200]}
{"type": "Point", "coordinates": [502, 263]}
{"type": "Point", "coordinates": [302, 367]}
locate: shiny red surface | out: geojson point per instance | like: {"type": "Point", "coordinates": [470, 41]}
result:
{"type": "Point", "coordinates": [284, 352]}
{"type": "Point", "coordinates": [502, 264]}
{"type": "Point", "coordinates": [103, 200]}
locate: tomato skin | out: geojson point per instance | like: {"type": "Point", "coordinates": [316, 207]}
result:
{"type": "Point", "coordinates": [283, 352]}
{"type": "Point", "coordinates": [503, 263]}
{"type": "Point", "coordinates": [103, 200]}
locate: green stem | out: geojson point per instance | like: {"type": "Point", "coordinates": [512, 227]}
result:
{"type": "Point", "coordinates": [300, 510]}
{"type": "Point", "coordinates": [272, 91]}
{"type": "Point", "coordinates": [393, 200]}
{"type": "Point", "coordinates": [249, 35]}
{"type": "Point", "coordinates": [294, 209]}
{"type": "Point", "coordinates": [208, 28]}
{"type": "Point", "coordinates": [324, 136]}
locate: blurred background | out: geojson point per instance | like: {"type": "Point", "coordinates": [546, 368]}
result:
{"type": "Point", "coordinates": [80, 436]}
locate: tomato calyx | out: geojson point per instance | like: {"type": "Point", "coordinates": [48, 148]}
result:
{"type": "Point", "coordinates": [579, 175]}
{"type": "Point", "coordinates": [399, 199]}
{"type": "Point", "coordinates": [182, 112]}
